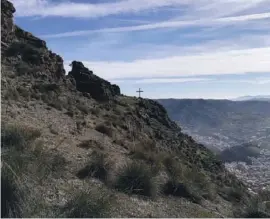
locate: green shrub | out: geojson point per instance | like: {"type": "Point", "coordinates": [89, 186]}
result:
{"type": "Point", "coordinates": [98, 168]}
{"type": "Point", "coordinates": [28, 52]}
{"type": "Point", "coordinates": [179, 189]}
{"type": "Point", "coordinates": [93, 204]}
{"type": "Point", "coordinates": [138, 152]}
{"type": "Point", "coordinates": [187, 182]}
{"type": "Point", "coordinates": [25, 164]}
{"type": "Point", "coordinates": [136, 178]}
{"type": "Point", "coordinates": [15, 141]}
{"type": "Point", "coordinates": [256, 214]}
{"type": "Point", "coordinates": [233, 194]}
{"type": "Point", "coordinates": [83, 108]}
{"type": "Point", "coordinates": [23, 68]}
{"type": "Point", "coordinates": [56, 104]}
{"type": "Point", "coordinates": [24, 92]}
{"type": "Point", "coordinates": [53, 100]}
{"type": "Point", "coordinates": [11, 93]}
{"type": "Point", "coordinates": [105, 129]}
{"type": "Point", "coordinates": [47, 87]}
{"type": "Point", "coordinates": [91, 143]}
{"type": "Point", "coordinates": [11, 196]}
{"type": "Point", "coordinates": [70, 112]}
{"type": "Point", "coordinates": [85, 144]}
{"type": "Point", "coordinates": [174, 168]}
{"type": "Point", "coordinates": [95, 111]}
{"type": "Point", "coordinates": [17, 136]}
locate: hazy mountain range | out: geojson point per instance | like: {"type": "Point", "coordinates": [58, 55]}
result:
{"type": "Point", "coordinates": [238, 131]}
{"type": "Point", "coordinates": [222, 123]}
{"type": "Point", "coordinates": [259, 97]}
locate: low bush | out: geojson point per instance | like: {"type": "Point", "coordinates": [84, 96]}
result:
{"type": "Point", "coordinates": [233, 194]}
{"type": "Point", "coordinates": [85, 144]}
{"type": "Point", "coordinates": [83, 108]}
{"type": "Point", "coordinates": [105, 129]}
{"type": "Point", "coordinates": [136, 178]}
{"type": "Point", "coordinates": [187, 182]}
{"type": "Point", "coordinates": [28, 52]}
{"type": "Point", "coordinates": [53, 100]}
{"type": "Point", "coordinates": [95, 111]}
{"type": "Point", "coordinates": [11, 196]}
{"type": "Point", "coordinates": [179, 189]}
{"type": "Point", "coordinates": [89, 204]}
{"type": "Point", "coordinates": [256, 214]}
{"type": "Point", "coordinates": [47, 87]}
{"type": "Point", "coordinates": [11, 94]}
{"type": "Point", "coordinates": [139, 152]}
{"type": "Point", "coordinates": [25, 164]}
{"type": "Point", "coordinates": [17, 136]}
{"type": "Point", "coordinates": [97, 167]}
{"type": "Point", "coordinates": [23, 69]}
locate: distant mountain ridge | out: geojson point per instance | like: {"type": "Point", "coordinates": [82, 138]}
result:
{"type": "Point", "coordinates": [221, 123]}
{"type": "Point", "coordinates": [259, 97]}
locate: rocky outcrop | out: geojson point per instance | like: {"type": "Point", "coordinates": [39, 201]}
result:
{"type": "Point", "coordinates": [22, 50]}
{"type": "Point", "coordinates": [7, 26]}
{"type": "Point", "coordinates": [88, 82]}
{"type": "Point", "coordinates": [156, 111]}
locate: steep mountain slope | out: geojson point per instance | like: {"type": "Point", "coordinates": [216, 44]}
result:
{"type": "Point", "coordinates": [73, 146]}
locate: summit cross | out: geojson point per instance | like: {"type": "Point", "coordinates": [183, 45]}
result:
{"type": "Point", "coordinates": [139, 91]}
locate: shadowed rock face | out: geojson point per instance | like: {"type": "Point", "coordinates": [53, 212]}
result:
{"type": "Point", "coordinates": [7, 27]}
{"type": "Point", "coordinates": [88, 82]}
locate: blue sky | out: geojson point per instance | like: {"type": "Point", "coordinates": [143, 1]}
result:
{"type": "Point", "coordinates": [169, 48]}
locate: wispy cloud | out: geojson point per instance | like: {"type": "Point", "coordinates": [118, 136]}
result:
{"type": "Point", "coordinates": [87, 10]}
{"type": "Point", "coordinates": [204, 79]}
{"type": "Point", "coordinates": [162, 80]}
{"type": "Point", "coordinates": [212, 63]}
{"type": "Point", "coordinates": [167, 24]}
{"type": "Point", "coordinates": [200, 8]}
{"type": "Point", "coordinates": [255, 81]}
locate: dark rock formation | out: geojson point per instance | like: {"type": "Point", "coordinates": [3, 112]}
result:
{"type": "Point", "coordinates": [7, 26]}
{"type": "Point", "coordinates": [88, 82]}
{"type": "Point", "coordinates": [24, 51]}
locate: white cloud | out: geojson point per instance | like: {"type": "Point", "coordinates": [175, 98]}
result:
{"type": "Point", "coordinates": [211, 63]}
{"type": "Point", "coordinates": [167, 24]}
{"type": "Point", "coordinates": [255, 81]}
{"type": "Point", "coordinates": [162, 80]}
{"type": "Point", "coordinates": [88, 10]}
{"type": "Point", "coordinates": [263, 81]}
{"type": "Point", "coordinates": [201, 8]}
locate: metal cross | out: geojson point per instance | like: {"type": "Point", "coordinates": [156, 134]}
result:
{"type": "Point", "coordinates": [139, 91]}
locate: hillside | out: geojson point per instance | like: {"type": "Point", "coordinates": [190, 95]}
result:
{"type": "Point", "coordinates": [229, 128]}
{"type": "Point", "coordinates": [74, 146]}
